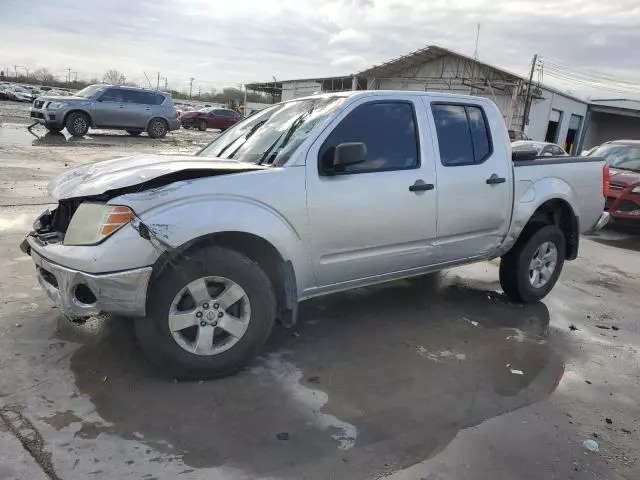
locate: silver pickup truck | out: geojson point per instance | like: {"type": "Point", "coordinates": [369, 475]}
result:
{"type": "Point", "coordinates": [306, 198]}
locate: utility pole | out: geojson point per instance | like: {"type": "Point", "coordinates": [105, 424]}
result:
{"type": "Point", "coordinates": [527, 101]}
{"type": "Point", "coordinates": [166, 84]}
{"type": "Point", "coordinates": [68, 74]}
{"type": "Point", "coordinates": [148, 81]}
{"type": "Point", "coordinates": [190, 86]}
{"type": "Point", "coordinates": [244, 106]}
{"type": "Point", "coordinates": [75, 79]}
{"type": "Point", "coordinates": [158, 82]}
{"type": "Point", "coordinates": [15, 71]}
{"type": "Point", "coordinates": [475, 52]}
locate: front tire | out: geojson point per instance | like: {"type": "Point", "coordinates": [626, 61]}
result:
{"type": "Point", "coordinates": [77, 124]}
{"type": "Point", "coordinates": [531, 268]}
{"type": "Point", "coordinates": [208, 316]}
{"type": "Point", "coordinates": [157, 128]}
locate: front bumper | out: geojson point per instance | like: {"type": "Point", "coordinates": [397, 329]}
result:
{"type": "Point", "coordinates": [79, 294]}
{"type": "Point", "coordinates": [47, 117]}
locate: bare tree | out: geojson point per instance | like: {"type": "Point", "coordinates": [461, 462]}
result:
{"type": "Point", "coordinates": [43, 76]}
{"type": "Point", "coordinates": [114, 77]}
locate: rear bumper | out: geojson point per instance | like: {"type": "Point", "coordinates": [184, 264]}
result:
{"type": "Point", "coordinates": [602, 221]}
{"type": "Point", "coordinates": [80, 294]}
{"type": "Point", "coordinates": [174, 124]}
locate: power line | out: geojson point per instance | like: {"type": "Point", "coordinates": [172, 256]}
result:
{"type": "Point", "coordinates": [590, 73]}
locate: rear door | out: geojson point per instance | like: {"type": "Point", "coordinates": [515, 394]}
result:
{"type": "Point", "coordinates": [139, 111]}
{"type": "Point", "coordinates": [369, 219]}
{"type": "Point", "coordinates": [474, 178]}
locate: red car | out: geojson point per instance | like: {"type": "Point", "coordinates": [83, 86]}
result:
{"type": "Point", "coordinates": [623, 198]}
{"type": "Point", "coordinates": [210, 117]}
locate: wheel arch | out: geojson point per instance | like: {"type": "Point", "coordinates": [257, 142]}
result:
{"type": "Point", "coordinates": [280, 271]}
{"type": "Point", "coordinates": [559, 212]}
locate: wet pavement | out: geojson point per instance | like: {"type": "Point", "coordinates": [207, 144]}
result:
{"type": "Point", "coordinates": [438, 378]}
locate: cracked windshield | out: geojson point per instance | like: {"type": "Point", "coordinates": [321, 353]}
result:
{"type": "Point", "coordinates": [320, 240]}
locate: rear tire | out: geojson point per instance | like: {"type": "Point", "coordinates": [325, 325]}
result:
{"type": "Point", "coordinates": [77, 124]}
{"type": "Point", "coordinates": [517, 276]}
{"type": "Point", "coordinates": [202, 125]}
{"type": "Point", "coordinates": [134, 133]}
{"type": "Point", "coordinates": [157, 128]}
{"type": "Point", "coordinates": [173, 356]}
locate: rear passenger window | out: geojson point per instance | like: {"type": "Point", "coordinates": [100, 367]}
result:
{"type": "Point", "coordinates": [463, 135]}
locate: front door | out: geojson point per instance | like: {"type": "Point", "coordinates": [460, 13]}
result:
{"type": "Point", "coordinates": [474, 180]}
{"type": "Point", "coordinates": [114, 110]}
{"type": "Point", "coordinates": [378, 216]}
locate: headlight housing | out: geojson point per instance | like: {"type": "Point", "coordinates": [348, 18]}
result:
{"type": "Point", "coordinates": [636, 189]}
{"type": "Point", "coordinates": [55, 105]}
{"type": "Point", "coordinates": [93, 222]}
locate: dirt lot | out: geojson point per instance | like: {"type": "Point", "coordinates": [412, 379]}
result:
{"type": "Point", "coordinates": [443, 379]}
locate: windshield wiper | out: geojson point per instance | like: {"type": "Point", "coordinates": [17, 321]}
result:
{"type": "Point", "coordinates": [246, 137]}
{"type": "Point", "coordinates": [285, 138]}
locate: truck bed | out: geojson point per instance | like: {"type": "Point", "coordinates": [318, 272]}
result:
{"type": "Point", "coordinates": [577, 180]}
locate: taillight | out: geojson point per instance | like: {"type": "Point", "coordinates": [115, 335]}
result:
{"type": "Point", "coordinates": [605, 180]}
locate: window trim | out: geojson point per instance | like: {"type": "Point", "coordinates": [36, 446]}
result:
{"type": "Point", "coordinates": [486, 126]}
{"type": "Point", "coordinates": [323, 173]}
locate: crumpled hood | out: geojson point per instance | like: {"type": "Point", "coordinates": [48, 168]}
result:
{"type": "Point", "coordinates": [101, 177]}
{"type": "Point", "coordinates": [623, 178]}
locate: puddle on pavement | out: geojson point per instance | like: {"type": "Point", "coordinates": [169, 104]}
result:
{"type": "Point", "coordinates": [38, 136]}
{"type": "Point", "coordinates": [353, 392]}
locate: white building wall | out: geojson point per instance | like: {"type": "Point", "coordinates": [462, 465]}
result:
{"type": "Point", "coordinates": [604, 127]}
{"type": "Point", "coordinates": [297, 89]}
{"type": "Point", "coordinates": [541, 111]}
{"type": "Point", "coordinates": [446, 75]}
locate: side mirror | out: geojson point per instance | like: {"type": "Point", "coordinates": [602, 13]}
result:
{"type": "Point", "coordinates": [349, 153]}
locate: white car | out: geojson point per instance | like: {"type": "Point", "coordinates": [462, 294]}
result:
{"type": "Point", "coordinates": [543, 149]}
{"type": "Point", "coordinates": [19, 94]}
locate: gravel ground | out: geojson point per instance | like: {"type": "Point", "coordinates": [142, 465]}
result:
{"type": "Point", "coordinates": [439, 379]}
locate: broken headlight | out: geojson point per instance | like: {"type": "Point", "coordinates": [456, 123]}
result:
{"type": "Point", "coordinates": [93, 222]}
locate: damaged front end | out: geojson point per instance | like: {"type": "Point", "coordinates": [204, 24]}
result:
{"type": "Point", "coordinates": [78, 266]}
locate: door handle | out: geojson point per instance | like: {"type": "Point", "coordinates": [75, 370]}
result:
{"type": "Point", "coordinates": [420, 186]}
{"type": "Point", "coordinates": [495, 179]}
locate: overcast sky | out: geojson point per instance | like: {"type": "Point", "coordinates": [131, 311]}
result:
{"type": "Point", "coordinates": [233, 41]}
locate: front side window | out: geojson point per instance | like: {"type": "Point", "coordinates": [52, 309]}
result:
{"type": "Point", "coordinates": [112, 95]}
{"type": "Point", "coordinates": [463, 135]}
{"type": "Point", "coordinates": [387, 130]}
